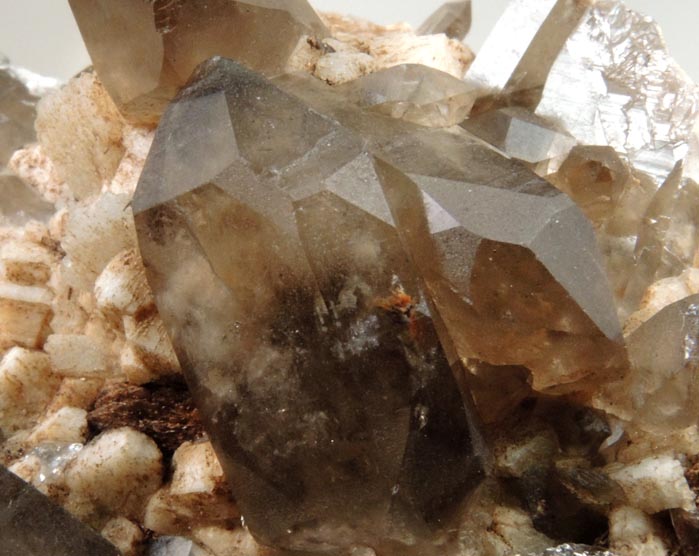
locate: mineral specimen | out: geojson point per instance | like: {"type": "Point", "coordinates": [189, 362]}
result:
{"type": "Point", "coordinates": [19, 94]}
{"type": "Point", "coordinates": [168, 39]}
{"type": "Point", "coordinates": [299, 320]}
{"type": "Point", "coordinates": [397, 295]}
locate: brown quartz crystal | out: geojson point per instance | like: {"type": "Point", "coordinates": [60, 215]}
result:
{"type": "Point", "coordinates": [145, 51]}
{"type": "Point", "coordinates": [300, 321]}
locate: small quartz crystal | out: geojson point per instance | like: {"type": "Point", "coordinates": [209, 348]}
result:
{"type": "Point", "coordinates": [453, 19]}
{"type": "Point", "coordinates": [145, 51]}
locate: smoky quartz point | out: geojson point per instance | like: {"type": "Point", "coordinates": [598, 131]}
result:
{"type": "Point", "coordinates": [144, 51]}
{"type": "Point", "coordinates": [300, 322]}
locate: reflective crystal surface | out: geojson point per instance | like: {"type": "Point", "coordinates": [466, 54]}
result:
{"type": "Point", "coordinates": [414, 93]}
{"type": "Point", "coordinates": [453, 19]}
{"type": "Point", "coordinates": [300, 321]}
{"type": "Point", "coordinates": [481, 267]}
{"type": "Point", "coordinates": [19, 92]}
{"type": "Point", "coordinates": [599, 69]}
{"type": "Point", "coordinates": [663, 385]}
{"type": "Point", "coordinates": [145, 51]}
{"type": "Point", "coordinates": [32, 525]}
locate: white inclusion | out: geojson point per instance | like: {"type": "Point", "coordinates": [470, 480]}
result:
{"type": "Point", "coordinates": [362, 337]}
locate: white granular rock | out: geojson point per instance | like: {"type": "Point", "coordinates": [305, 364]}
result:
{"type": "Point", "coordinates": [67, 425]}
{"type": "Point", "coordinates": [80, 129]}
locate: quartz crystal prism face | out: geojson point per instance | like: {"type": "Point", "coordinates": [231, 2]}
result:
{"type": "Point", "coordinates": [145, 50]}
{"type": "Point", "coordinates": [660, 392]}
{"type": "Point", "coordinates": [601, 73]}
{"type": "Point", "coordinates": [414, 93]}
{"type": "Point", "coordinates": [300, 322]}
{"type": "Point", "coordinates": [453, 19]}
{"type": "Point", "coordinates": [32, 525]}
{"type": "Point", "coordinates": [510, 264]}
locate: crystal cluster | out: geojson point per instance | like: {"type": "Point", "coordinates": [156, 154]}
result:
{"type": "Point", "coordinates": [302, 284]}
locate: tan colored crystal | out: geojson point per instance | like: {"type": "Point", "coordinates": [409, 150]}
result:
{"type": "Point", "coordinates": [145, 51]}
{"type": "Point", "coordinates": [453, 19]}
{"type": "Point", "coordinates": [299, 321]}
{"type": "Point", "coordinates": [414, 93]}
{"type": "Point", "coordinates": [449, 196]}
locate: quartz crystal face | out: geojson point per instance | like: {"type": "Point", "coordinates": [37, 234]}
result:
{"type": "Point", "coordinates": [601, 74]}
{"type": "Point", "coordinates": [33, 525]}
{"type": "Point", "coordinates": [524, 292]}
{"type": "Point", "coordinates": [144, 51]}
{"type": "Point", "coordinates": [300, 321]}
{"type": "Point", "coordinates": [414, 93]}
{"type": "Point", "coordinates": [19, 93]}
{"type": "Point", "coordinates": [453, 19]}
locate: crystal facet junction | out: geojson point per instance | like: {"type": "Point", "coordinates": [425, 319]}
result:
{"type": "Point", "coordinates": [300, 322]}
{"type": "Point", "coordinates": [145, 51]}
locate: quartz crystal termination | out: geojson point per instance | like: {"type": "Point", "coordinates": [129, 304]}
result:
{"type": "Point", "coordinates": [600, 74]}
{"type": "Point", "coordinates": [452, 18]}
{"type": "Point", "coordinates": [160, 42]}
{"type": "Point", "coordinates": [32, 525]}
{"type": "Point", "coordinates": [524, 296]}
{"type": "Point", "coordinates": [299, 321]}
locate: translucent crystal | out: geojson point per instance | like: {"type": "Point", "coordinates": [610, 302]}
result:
{"type": "Point", "coordinates": [453, 19]}
{"type": "Point", "coordinates": [598, 69]}
{"type": "Point", "coordinates": [479, 268]}
{"type": "Point", "coordinates": [300, 322]}
{"type": "Point", "coordinates": [663, 385]}
{"type": "Point", "coordinates": [522, 135]}
{"type": "Point", "coordinates": [32, 525]}
{"type": "Point", "coordinates": [145, 51]}
{"type": "Point", "coordinates": [19, 93]}
{"type": "Point", "coordinates": [414, 93]}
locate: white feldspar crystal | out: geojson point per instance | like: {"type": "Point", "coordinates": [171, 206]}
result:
{"type": "Point", "coordinates": [633, 533]}
{"type": "Point", "coordinates": [114, 474]}
{"type": "Point", "coordinates": [95, 233]}
{"type": "Point", "coordinates": [359, 47]}
{"type": "Point", "coordinates": [26, 263]}
{"type": "Point", "coordinates": [67, 425]}
{"type": "Point", "coordinates": [125, 535]}
{"type": "Point", "coordinates": [27, 384]}
{"type": "Point", "coordinates": [78, 356]}
{"type": "Point", "coordinates": [224, 542]}
{"type": "Point", "coordinates": [25, 312]}
{"type": "Point", "coordinates": [196, 470]}
{"type": "Point", "coordinates": [655, 484]}
{"type": "Point", "coordinates": [80, 129]}
{"type": "Point", "coordinates": [121, 288]}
